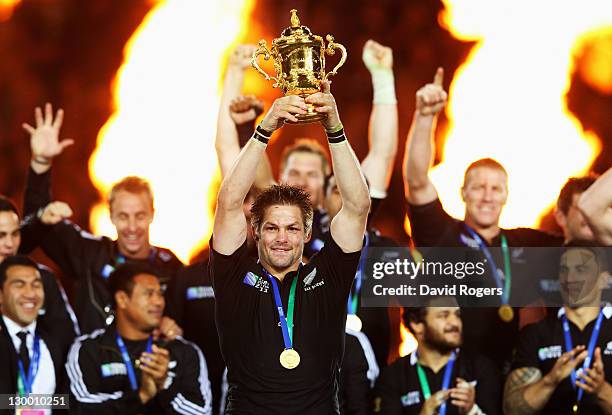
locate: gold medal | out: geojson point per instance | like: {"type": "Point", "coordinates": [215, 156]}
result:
{"type": "Point", "coordinates": [289, 359]}
{"type": "Point", "coordinates": [353, 322]}
{"type": "Point", "coordinates": [575, 409]}
{"type": "Point", "coordinates": [506, 313]}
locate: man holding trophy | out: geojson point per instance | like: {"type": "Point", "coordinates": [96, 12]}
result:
{"type": "Point", "coordinates": [281, 323]}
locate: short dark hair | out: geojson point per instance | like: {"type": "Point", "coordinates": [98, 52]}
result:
{"type": "Point", "coordinates": [573, 185]}
{"type": "Point", "coordinates": [13, 261]}
{"type": "Point", "coordinates": [6, 205]}
{"type": "Point", "coordinates": [282, 194]}
{"type": "Point", "coordinates": [601, 254]}
{"type": "Point", "coordinates": [122, 278]}
{"type": "Point", "coordinates": [413, 315]}
{"type": "Point", "coordinates": [306, 145]}
{"type": "Point", "coordinates": [417, 314]}
{"type": "Point", "coordinates": [485, 162]}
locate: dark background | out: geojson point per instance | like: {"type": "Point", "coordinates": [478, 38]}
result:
{"type": "Point", "coordinates": [68, 51]}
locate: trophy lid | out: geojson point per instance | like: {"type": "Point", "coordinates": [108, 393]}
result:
{"type": "Point", "coordinates": [296, 33]}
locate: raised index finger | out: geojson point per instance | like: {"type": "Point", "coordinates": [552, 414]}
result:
{"type": "Point", "coordinates": [439, 76]}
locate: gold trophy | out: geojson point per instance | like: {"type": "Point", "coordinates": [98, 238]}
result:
{"type": "Point", "coordinates": [299, 62]}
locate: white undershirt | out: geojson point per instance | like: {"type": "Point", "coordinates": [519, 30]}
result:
{"type": "Point", "coordinates": [44, 382]}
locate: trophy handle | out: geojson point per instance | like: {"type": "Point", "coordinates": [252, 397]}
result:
{"type": "Point", "coordinates": [331, 50]}
{"type": "Point", "coordinates": [263, 50]}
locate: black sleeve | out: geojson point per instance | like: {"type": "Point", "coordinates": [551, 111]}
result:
{"type": "Point", "coordinates": [428, 222]}
{"type": "Point", "coordinates": [341, 267]}
{"type": "Point", "coordinates": [488, 387]}
{"type": "Point", "coordinates": [387, 395]}
{"type": "Point", "coordinates": [37, 195]}
{"type": "Point", "coordinates": [356, 393]}
{"type": "Point", "coordinates": [58, 317]}
{"type": "Point", "coordinates": [83, 369]}
{"type": "Point", "coordinates": [71, 248]}
{"type": "Point", "coordinates": [37, 192]}
{"type": "Point", "coordinates": [189, 391]}
{"type": "Point", "coordinates": [225, 270]}
{"type": "Point", "coordinates": [527, 348]}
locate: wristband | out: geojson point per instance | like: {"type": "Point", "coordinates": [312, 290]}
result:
{"type": "Point", "coordinates": [336, 137]}
{"type": "Point", "coordinates": [383, 83]}
{"type": "Point", "coordinates": [42, 161]}
{"type": "Point", "coordinates": [261, 135]}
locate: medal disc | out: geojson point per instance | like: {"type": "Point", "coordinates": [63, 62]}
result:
{"type": "Point", "coordinates": [289, 359]}
{"type": "Point", "coordinates": [575, 409]}
{"type": "Point", "coordinates": [353, 322]}
{"type": "Point", "coordinates": [506, 313]}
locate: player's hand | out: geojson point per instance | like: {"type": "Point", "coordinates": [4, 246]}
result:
{"type": "Point", "coordinates": [463, 396]}
{"type": "Point", "coordinates": [155, 364]}
{"type": "Point", "coordinates": [564, 365]}
{"type": "Point", "coordinates": [431, 98]}
{"type": "Point", "coordinates": [244, 109]}
{"type": "Point", "coordinates": [376, 56]}
{"type": "Point", "coordinates": [241, 57]}
{"type": "Point", "coordinates": [593, 379]}
{"type": "Point", "coordinates": [55, 212]}
{"type": "Point", "coordinates": [434, 402]}
{"type": "Point", "coordinates": [283, 109]}
{"type": "Point", "coordinates": [44, 139]}
{"type": "Point", "coordinates": [325, 103]}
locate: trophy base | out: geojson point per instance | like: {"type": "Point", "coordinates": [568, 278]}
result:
{"type": "Point", "coordinates": [308, 118]}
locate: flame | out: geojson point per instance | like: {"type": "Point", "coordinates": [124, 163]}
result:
{"type": "Point", "coordinates": [409, 343]}
{"type": "Point", "coordinates": [507, 100]}
{"type": "Point", "coordinates": [6, 9]}
{"type": "Point", "coordinates": [164, 120]}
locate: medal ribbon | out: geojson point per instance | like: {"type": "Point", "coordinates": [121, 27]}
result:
{"type": "Point", "coordinates": [353, 299]}
{"type": "Point", "coordinates": [128, 361]}
{"type": "Point", "coordinates": [507, 285]}
{"type": "Point", "coordinates": [25, 382]}
{"type": "Point", "coordinates": [590, 349]}
{"type": "Point", "coordinates": [445, 380]}
{"type": "Point", "coordinates": [286, 322]}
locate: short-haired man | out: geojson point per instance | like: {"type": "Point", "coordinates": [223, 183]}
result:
{"type": "Point", "coordinates": [85, 258]}
{"type": "Point", "coordinates": [484, 191]}
{"type": "Point", "coordinates": [282, 324]}
{"type": "Point", "coordinates": [567, 213]}
{"type": "Point", "coordinates": [31, 358]}
{"type": "Point", "coordinates": [563, 365]}
{"type": "Point", "coordinates": [440, 376]}
{"type": "Point", "coordinates": [121, 369]}
{"type": "Point", "coordinates": [56, 315]}
{"type": "Point", "coordinates": [596, 206]}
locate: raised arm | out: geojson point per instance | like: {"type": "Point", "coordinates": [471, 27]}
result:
{"type": "Point", "coordinates": [348, 226]}
{"type": "Point", "coordinates": [419, 152]}
{"type": "Point", "coordinates": [45, 145]}
{"type": "Point", "coordinates": [226, 141]}
{"type": "Point", "coordinates": [526, 391]}
{"type": "Point", "coordinates": [377, 166]}
{"type": "Point", "coordinates": [230, 227]}
{"type": "Point", "coordinates": [596, 206]}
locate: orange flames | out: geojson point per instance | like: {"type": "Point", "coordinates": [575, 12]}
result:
{"type": "Point", "coordinates": [165, 106]}
{"type": "Point", "coordinates": [6, 9]}
{"type": "Point", "coordinates": [508, 99]}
